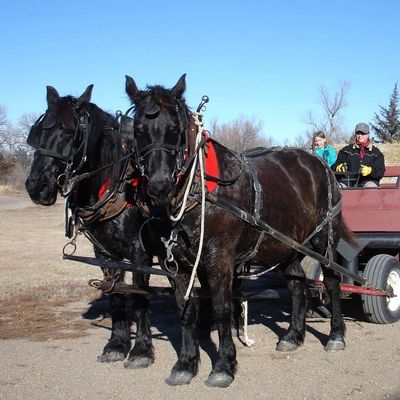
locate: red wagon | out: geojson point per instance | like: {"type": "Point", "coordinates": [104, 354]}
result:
{"type": "Point", "coordinates": [373, 214]}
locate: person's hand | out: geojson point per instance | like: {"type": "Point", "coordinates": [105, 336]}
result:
{"type": "Point", "coordinates": [341, 167]}
{"type": "Point", "coordinates": [364, 170]}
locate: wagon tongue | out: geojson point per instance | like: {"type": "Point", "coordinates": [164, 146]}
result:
{"type": "Point", "coordinates": [117, 265]}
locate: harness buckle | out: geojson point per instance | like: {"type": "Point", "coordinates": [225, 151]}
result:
{"type": "Point", "coordinates": [168, 244]}
{"type": "Point", "coordinates": [257, 187]}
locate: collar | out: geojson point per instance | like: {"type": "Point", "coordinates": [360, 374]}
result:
{"type": "Point", "coordinates": [356, 146]}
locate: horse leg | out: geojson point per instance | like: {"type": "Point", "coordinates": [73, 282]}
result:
{"type": "Point", "coordinates": [336, 340]}
{"type": "Point", "coordinates": [294, 336]}
{"type": "Point", "coordinates": [142, 354]}
{"type": "Point", "coordinates": [187, 364]}
{"type": "Point", "coordinates": [223, 371]}
{"type": "Point", "coordinates": [119, 343]}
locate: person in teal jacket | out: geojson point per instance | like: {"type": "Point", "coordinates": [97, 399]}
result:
{"type": "Point", "coordinates": [321, 148]}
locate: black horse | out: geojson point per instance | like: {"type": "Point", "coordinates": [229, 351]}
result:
{"type": "Point", "coordinates": [80, 153]}
{"type": "Point", "coordinates": [290, 190]}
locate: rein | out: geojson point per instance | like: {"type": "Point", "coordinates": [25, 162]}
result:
{"type": "Point", "coordinates": [109, 204]}
{"type": "Point", "coordinates": [263, 226]}
{"type": "Point", "coordinates": [86, 175]}
{"type": "Point", "coordinates": [198, 157]}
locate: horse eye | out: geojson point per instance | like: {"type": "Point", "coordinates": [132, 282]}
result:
{"type": "Point", "coordinates": [65, 131]}
{"type": "Point", "coordinates": [138, 129]}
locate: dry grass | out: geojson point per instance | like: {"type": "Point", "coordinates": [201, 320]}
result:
{"type": "Point", "coordinates": [36, 317]}
{"type": "Point", "coordinates": [11, 190]}
{"type": "Point", "coordinates": [391, 153]}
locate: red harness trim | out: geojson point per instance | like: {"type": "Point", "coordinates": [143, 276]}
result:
{"type": "Point", "coordinates": [103, 188]}
{"type": "Point", "coordinates": [211, 167]}
{"type": "Point", "coordinates": [134, 182]}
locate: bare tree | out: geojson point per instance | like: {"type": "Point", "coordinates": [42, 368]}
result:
{"type": "Point", "coordinates": [241, 134]}
{"type": "Point", "coordinates": [331, 123]}
{"type": "Point", "coordinates": [15, 154]}
{"type": "Point", "coordinates": [4, 125]}
{"type": "Point", "coordinates": [301, 142]}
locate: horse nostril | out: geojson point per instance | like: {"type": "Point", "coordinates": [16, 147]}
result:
{"type": "Point", "coordinates": [159, 189]}
{"type": "Point", "coordinates": [29, 186]}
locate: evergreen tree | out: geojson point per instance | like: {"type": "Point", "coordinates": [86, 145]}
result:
{"type": "Point", "coordinates": [387, 125]}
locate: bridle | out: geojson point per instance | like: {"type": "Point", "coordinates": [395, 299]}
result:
{"type": "Point", "coordinates": [180, 149]}
{"type": "Point", "coordinates": [80, 145]}
{"type": "Point", "coordinates": [33, 141]}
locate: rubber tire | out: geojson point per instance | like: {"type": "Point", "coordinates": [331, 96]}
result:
{"type": "Point", "coordinates": [312, 269]}
{"type": "Point", "coordinates": [377, 271]}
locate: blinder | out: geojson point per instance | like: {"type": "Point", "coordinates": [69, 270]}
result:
{"type": "Point", "coordinates": [33, 139]}
{"type": "Point", "coordinates": [47, 121]}
{"type": "Point", "coordinates": [152, 110]}
{"type": "Point", "coordinates": [126, 127]}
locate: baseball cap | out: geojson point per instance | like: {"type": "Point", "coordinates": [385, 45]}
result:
{"type": "Point", "coordinates": [362, 127]}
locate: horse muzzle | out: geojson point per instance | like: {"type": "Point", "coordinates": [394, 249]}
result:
{"type": "Point", "coordinates": [160, 193]}
{"type": "Point", "coordinates": [40, 192]}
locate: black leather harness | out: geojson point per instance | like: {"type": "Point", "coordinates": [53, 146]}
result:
{"type": "Point", "coordinates": [254, 220]}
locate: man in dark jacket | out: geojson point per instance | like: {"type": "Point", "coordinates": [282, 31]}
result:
{"type": "Point", "coordinates": [361, 157]}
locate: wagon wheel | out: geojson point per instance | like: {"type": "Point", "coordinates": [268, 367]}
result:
{"type": "Point", "coordinates": [313, 271]}
{"type": "Point", "coordinates": [382, 271]}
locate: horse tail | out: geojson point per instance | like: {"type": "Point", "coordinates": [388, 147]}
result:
{"type": "Point", "coordinates": [346, 233]}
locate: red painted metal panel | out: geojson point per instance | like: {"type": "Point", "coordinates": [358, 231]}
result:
{"type": "Point", "coordinates": [374, 210]}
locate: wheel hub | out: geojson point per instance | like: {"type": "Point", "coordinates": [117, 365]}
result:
{"type": "Point", "coordinates": [393, 282]}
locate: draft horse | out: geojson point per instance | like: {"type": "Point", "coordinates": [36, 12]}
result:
{"type": "Point", "coordinates": [80, 153]}
{"type": "Point", "coordinates": [290, 189]}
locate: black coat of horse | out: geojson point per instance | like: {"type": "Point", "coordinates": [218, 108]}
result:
{"type": "Point", "coordinates": [73, 138]}
{"type": "Point", "coordinates": [293, 192]}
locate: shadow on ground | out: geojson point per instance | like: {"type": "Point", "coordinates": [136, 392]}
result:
{"type": "Point", "coordinates": [273, 314]}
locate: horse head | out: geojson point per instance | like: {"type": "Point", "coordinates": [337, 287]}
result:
{"type": "Point", "coordinates": [160, 137]}
{"type": "Point", "coordinates": [60, 138]}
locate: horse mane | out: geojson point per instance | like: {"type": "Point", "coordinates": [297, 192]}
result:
{"type": "Point", "coordinates": [64, 108]}
{"type": "Point", "coordinates": [161, 96]}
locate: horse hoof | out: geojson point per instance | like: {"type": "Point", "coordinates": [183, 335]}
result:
{"type": "Point", "coordinates": [179, 378]}
{"type": "Point", "coordinates": [334, 345]}
{"type": "Point", "coordinates": [219, 379]}
{"type": "Point", "coordinates": [139, 362]}
{"type": "Point", "coordinates": [283, 345]}
{"type": "Point", "coordinates": [111, 356]}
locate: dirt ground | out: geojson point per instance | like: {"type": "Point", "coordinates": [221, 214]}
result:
{"type": "Point", "coordinates": [53, 326]}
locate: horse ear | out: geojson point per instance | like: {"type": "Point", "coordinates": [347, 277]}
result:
{"type": "Point", "coordinates": [180, 87]}
{"type": "Point", "coordinates": [52, 95]}
{"type": "Point", "coordinates": [130, 88]}
{"type": "Point", "coordinates": [86, 95]}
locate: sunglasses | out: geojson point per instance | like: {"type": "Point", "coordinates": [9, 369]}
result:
{"type": "Point", "coordinates": [362, 133]}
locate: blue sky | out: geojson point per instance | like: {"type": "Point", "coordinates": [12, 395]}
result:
{"type": "Point", "coordinates": [262, 59]}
